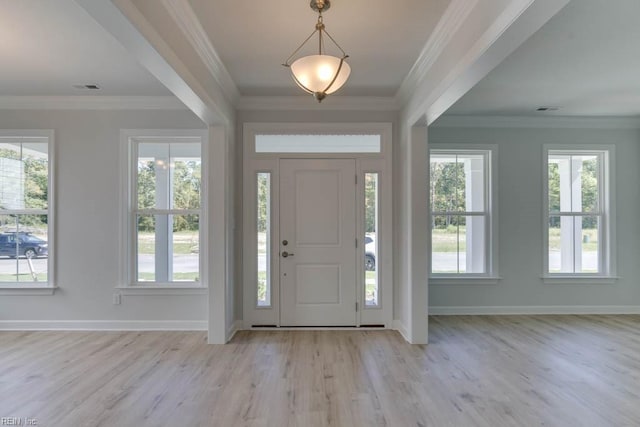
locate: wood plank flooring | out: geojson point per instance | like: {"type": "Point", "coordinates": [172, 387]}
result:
{"type": "Point", "coordinates": [477, 371]}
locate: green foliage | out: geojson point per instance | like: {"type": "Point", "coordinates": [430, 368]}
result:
{"type": "Point", "coordinates": [447, 191]}
{"type": "Point", "coordinates": [589, 186]}
{"type": "Point", "coordinates": [370, 201]}
{"type": "Point", "coordinates": [186, 183]}
{"type": "Point", "coordinates": [263, 202]}
{"type": "Point", "coordinates": [35, 181]}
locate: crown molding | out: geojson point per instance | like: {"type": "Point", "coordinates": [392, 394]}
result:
{"type": "Point", "coordinates": [307, 103]}
{"type": "Point", "coordinates": [186, 19]}
{"type": "Point", "coordinates": [448, 25]}
{"type": "Point", "coordinates": [537, 122]}
{"type": "Point", "coordinates": [91, 103]}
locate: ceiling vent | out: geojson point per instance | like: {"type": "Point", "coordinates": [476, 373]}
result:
{"type": "Point", "coordinates": [87, 87]}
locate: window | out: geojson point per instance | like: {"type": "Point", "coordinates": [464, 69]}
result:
{"type": "Point", "coordinates": [577, 220]}
{"type": "Point", "coordinates": [25, 210]}
{"type": "Point", "coordinates": [318, 143]}
{"type": "Point", "coordinates": [165, 211]}
{"type": "Point", "coordinates": [263, 223]}
{"type": "Point", "coordinates": [371, 220]}
{"type": "Point", "coordinates": [461, 213]}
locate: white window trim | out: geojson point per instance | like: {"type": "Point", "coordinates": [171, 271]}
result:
{"type": "Point", "coordinates": [491, 277]}
{"type": "Point", "coordinates": [37, 288]}
{"type": "Point", "coordinates": [268, 162]}
{"type": "Point", "coordinates": [128, 284]}
{"type": "Point", "coordinates": [607, 198]}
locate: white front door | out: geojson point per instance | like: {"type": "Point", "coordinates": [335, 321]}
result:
{"type": "Point", "coordinates": [317, 242]}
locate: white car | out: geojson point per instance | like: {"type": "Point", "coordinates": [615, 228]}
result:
{"type": "Point", "coordinates": [370, 253]}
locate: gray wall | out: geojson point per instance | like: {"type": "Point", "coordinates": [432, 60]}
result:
{"type": "Point", "coordinates": [87, 209]}
{"type": "Point", "coordinates": [520, 181]}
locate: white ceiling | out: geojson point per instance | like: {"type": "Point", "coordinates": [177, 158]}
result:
{"type": "Point", "coordinates": [48, 46]}
{"type": "Point", "coordinates": [383, 39]}
{"type": "Point", "coordinates": [585, 60]}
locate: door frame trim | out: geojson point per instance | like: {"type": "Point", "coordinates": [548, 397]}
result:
{"type": "Point", "coordinates": [254, 163]}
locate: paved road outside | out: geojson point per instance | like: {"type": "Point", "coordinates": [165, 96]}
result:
{"type": "Point", "coordinates": [446, 261]}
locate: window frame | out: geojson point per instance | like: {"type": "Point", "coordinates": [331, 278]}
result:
{"type": "Point", "coordinates": [490, 155]}
{"type": "Point", "coordinates": [38, 288]}
{"type": "Point", "coordinates": [129, 283]}
{"type": "Point", "coordinates": [606, 213]}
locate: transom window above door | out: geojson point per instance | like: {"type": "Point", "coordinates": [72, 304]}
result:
{"type": "Point", "coordinates": [318, 143]}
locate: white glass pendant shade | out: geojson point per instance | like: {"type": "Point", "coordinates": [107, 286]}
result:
{"type": "Point", "coordinates": [314, 73]}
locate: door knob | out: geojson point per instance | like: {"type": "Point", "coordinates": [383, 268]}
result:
{"type": "Point", "coordinates": [286, 254]}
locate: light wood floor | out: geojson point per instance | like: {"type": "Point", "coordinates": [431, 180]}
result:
{"type": "Point", "coordinates": [477, 371]}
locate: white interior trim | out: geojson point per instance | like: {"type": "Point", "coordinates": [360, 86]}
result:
{"type": "Point", "coordinates": [306, 103]}
{"type": "Point", "coordinates": [269, 162]}
{"type": "Point", "coordinates": [447, 27]}
{"type": "Point", "coordinates": [530, 310]}
{"type": "Point", "coordinates": [537, 122]}
{"type": "Point", "coordinates": [126, 24]}
{"type": "Point", "coordinates": [103, 325]}
{"type": "Point", "coordinates": [14, 290]}
{"type": "Point", "coordinates": [186, 19]}
{"type": "Point", "coordinates": [91, 103]}
{"type": "Point", "coordinates": [402, 329]}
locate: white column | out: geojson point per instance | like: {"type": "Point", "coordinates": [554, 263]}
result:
{"type": "Point", "coordinates": [474, 199]}
{"type": "Point", "coordinates": [216, 264]}
{"type": "Point", "coordinates": [418, 235]}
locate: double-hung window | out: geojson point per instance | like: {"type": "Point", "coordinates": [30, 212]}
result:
{"type": "Point", "coordinates": [577, 212]}
{"type": "Point", "coordinates": [25, 209]}
{"type": "Point", "coordinates": [165, 210]}
{"type": "Point", "coordinates": [461, 214]}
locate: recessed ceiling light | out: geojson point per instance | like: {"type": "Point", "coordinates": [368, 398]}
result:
{"type": "Point", "coordinates": [542, 109]}
{"type": "Point", "coordinates": [89, 87]}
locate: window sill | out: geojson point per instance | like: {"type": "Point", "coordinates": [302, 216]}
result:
{"type": "Point", "coordinates": [27, 290]}
{"type": "Point", "coordinates": [162, 290]}
{"type": "Point", "coordinates": [457, 280]}
{"type": "Point", "coordinates": [579, 280]}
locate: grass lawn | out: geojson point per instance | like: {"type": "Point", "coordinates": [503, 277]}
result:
{"type": "Point", "coordinates": [446, 240]}
{"type": "Point", "coordinates": [177, 277]}
{"type": "Point", "coordinates": [591, 235]}
{"type": "Point", "coordinates": [184, 242]}
{"type": "Point", "coordinates": [25, 277]}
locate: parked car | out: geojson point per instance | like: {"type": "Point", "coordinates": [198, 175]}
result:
{"type": "Point", "coordinates": [24, 244]}
{"type": "Point", "coordinates": [369, 253]}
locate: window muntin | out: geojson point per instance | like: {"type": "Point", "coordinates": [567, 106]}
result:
{"type": "Point", "coordinates": [460, 214]}
{"type": "Point", "coordinates": [24, 210]}
{"type": "Point", "coordinates": [263, 239]}
{"type": "Point", "coordinates": [166, 210]}
{"type": "Point", "coordinates": [576, 211]}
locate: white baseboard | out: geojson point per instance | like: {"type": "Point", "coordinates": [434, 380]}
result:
{"type": "Point", "coordinates": [103, 325]}
{"type": "Point", "coordinates": [547, 309]}
{"type": "Point", "coordinates": [400, 327]}
{"type": "Point", "coordinates": [235, 327]}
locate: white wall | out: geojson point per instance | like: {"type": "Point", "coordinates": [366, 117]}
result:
{"type": "Point", "coordinates": [87, 203]}
{"type": "Point", "coordinates": [520, 180]}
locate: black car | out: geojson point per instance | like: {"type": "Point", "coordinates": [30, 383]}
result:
{"type": "Point", "coordinates": [22, 244]}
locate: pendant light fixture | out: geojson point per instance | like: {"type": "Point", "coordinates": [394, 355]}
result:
{"type": "Point", "coordinates": [321, 74]}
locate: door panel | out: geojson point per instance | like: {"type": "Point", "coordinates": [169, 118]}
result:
{"type": "Point", "coordinates": [318, 221]}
